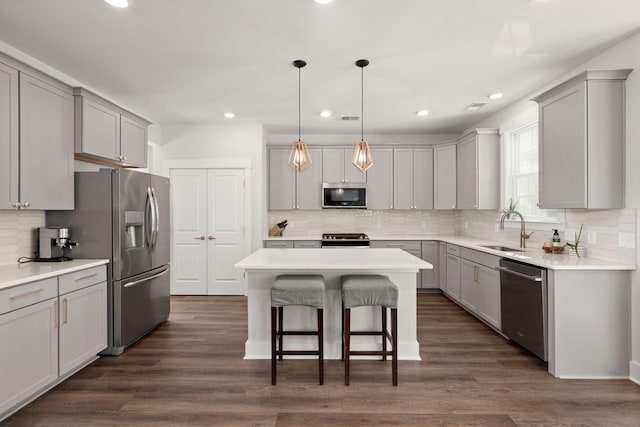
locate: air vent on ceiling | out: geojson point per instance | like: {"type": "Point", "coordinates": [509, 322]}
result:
{"type": "Point", "coordinates": [346, 118]}
{"type": "Point", "coordinates": [475, 106]}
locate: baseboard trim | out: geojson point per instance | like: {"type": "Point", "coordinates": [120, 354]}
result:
{"type": "Point", "coordinates": [634, 372]}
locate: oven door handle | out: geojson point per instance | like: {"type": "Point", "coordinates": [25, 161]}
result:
{"type": "Point", "coordinates": [146, 279]}
{"type": "Point", "coordinates": [516, 273]}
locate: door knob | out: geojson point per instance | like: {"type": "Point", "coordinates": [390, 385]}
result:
{"type": "Point", "coordinates": [200, 238]}
{"type": "Point", "coordinates": [211, 238]}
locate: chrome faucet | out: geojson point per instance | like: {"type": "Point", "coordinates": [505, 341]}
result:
{"type": "Point", "coordinates": [523, 235]}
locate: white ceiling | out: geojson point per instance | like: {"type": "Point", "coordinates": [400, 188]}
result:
{"type": "Point", "coordinates": [189, 61]}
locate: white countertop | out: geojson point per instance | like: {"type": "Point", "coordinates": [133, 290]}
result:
{"type": "Point", "coordinates": [535, 256]}
{"type": "Point", "coordinates": [15, 275]}
{"type": "Point", "coordinates": [332, 259]}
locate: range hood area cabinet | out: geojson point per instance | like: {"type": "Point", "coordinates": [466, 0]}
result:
{"type": "Point", "coordinates": [582, 139]}
{"type": "Point", "coordinates": [478, 170]}
{"type": "Point", "coordinates": [412, 178]}
{"type": "Point", "coordinates": [289, 189]}
{"type": "Point", "coordinates": [36, 121]}
{"type": "Point", "coordinates": [337, 167]}
{"type": "Point", "coordinates": [105, 133]}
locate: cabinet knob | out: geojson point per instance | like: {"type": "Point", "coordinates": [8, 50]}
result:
{"type": "Point", "coordinates": [16, 204]}
{"type": "Point", "coordinates": [200, 238]}
{"type": "Point", "coordinates": [453, 207]}
{"type": "Point", "coordinates": [26, 204]}
{"type": "Point", "coordinates": [124, 157]}
{"type": "Point", "coordinates": [211, 238]}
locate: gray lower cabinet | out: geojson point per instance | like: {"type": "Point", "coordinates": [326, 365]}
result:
{"type": "Point", "coordinates": [453, 272]}
{"type": "Point", "coordinates": [307, 244]}
{"type": "Point", "coordinates": [582, 138]}
{"type": "Point", "coordinates": [49, 329]}
{"type": "Point", "coordinates": [414, 247]}
{"type": "Point", "coordinates": [105, 132]}
{"type": "Point", "coordinates": [480, 285]}
{"type": "Point", "coordinates": [430, 254]}
{"type": "Point", "coordinates": [442, 266]}
{"type": "Point", "coordinates": [46, 145]}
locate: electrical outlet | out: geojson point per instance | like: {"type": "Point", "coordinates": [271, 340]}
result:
{"type": "Point", "coordinates": [591, 237]}
{"type": "Point", "coordinates": [627, 240]}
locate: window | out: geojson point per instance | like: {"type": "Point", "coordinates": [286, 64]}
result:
{"type": "Point", "coordinates": [521, 174]}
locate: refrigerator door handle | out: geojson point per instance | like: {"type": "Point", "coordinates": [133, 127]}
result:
{"type": "Point", "coordinates": [156, 225]}
{"type": "Point", "coordinates": [146, 279]}
{"type": "Point", "coordinates": [149, 219]}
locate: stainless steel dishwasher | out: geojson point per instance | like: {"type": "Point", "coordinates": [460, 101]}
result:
{"type": "Point", "coordinates": [523, 290]}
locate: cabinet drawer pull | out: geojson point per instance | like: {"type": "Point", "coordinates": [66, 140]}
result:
{"type": "Point", "coordinates": [395, 245]}
{"type": "Point", "coordinates": [64, 309]}
{"type": "Point", "coordinates": [24, 294]}
{"type": "Point", "coordinates": [80, 279]}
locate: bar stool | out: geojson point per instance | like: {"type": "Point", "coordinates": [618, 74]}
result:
{"type": "Point", "coordinates": [307, 290]}
{"type": "Point", "coordinates": [370, 290]}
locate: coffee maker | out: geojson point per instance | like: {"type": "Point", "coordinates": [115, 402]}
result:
{"type": "Point", "coordinates": [52, 243]}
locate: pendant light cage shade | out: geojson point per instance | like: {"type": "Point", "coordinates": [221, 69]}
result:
{"type": "Point", "coordinates": [362, 156]}
{"type": "Point", "coordinates": [299, 158]}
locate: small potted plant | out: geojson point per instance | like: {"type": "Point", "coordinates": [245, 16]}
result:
{"type": "Point", "coordinates": [509, 209]}
{"type": "Point", "coordinates": [575, 248]}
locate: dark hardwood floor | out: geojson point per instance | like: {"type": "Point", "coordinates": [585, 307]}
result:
{"type": "Point", "coordinates": [190, 371]}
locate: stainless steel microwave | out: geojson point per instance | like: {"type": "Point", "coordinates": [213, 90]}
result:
{"type": "Point", "coordinates": [344, 196]}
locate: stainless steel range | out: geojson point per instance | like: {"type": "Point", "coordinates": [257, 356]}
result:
{"type": "Point", "coordinates": [345, 240]}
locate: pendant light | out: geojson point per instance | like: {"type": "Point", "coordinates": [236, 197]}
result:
{"type": "Point", "coordinates": [299, 159]}
{"type": "Point", "coordinates": [362, 154]}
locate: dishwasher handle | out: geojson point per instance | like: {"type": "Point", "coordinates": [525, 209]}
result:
{"type": "Point", "coordinates": [516, 273]}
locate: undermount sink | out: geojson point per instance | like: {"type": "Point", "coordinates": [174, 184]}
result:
{"type": "Point", "coordinates": [501, 248]}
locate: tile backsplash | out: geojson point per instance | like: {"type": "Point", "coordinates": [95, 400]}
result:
{"type": "Point", "coordinates": [18, 234]}
{"type": "Point", "coordinates": [607, 226]}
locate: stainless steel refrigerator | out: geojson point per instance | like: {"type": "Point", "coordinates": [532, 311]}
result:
{"type": "Point", "coordinates": [123, 215]}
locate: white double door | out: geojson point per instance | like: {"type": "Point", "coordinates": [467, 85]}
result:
{"type": "Point", "coordinates": [208, 231]}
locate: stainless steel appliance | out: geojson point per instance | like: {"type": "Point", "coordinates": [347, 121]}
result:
{"type": "Point", "coordinates": [523, 290]}
{"type": "Point", "coordinates": [123, 215]}
{"type": "Point", "coordinates": [52, 243]}
{"type": "Point", "coordinates": [345, 196]}
{"type": "Point", "coordinates": [345, 240]}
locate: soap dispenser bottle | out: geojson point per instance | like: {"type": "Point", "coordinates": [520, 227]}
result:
{"type": "Point", "coordinates": [555, 239]}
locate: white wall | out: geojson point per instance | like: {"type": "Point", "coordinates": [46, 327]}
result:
{"type": "Point", "coordinates": [625, 54]}
{"type": "Point", "coordinates": [222, 142]}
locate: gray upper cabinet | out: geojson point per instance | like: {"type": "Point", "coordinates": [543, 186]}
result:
{"type": "Point", "coordinates": [337, 167]}
{"type": "Point", "coordinates": [478, 170]}
{"type": "Point", "coordinates": [9, 160]}
{"type": "Point", "coordinates": [46, 145]}
{"type": "Point", "coordinates": [380, 180]}
{"type": "Point", "coordinates": [413, 178]}
{"type": "Point", "coordinates": [581, 131]}
{"type": "Point", "coordinates": [106, 132]}
{"type": "Point", "coordinates": [444, 177]}
{"type": "Point", "coordinates": [282, 180]}
{"type": "Point", "coordinates": [289, 189]}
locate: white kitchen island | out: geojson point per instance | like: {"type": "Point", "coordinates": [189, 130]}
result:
{"type": "Point", "coordinates": [263, 266]}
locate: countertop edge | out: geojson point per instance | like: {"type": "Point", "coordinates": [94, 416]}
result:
{"type": "Point", "coordinates": [22, 271]}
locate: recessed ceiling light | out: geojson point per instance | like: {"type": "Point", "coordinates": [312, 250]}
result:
{"type": "Point", "coordinates": [422, 113]}
{"type": "Point", "coordinates": [229, 115]}
{"type": "Point", "coordinates": [118, 3]}
{"type": "Point", "coordinates": [496, 95]}
{"type": "Point", "coordinates": [325, 113]}
{"type": "Point", "coordinates": [323, 1]}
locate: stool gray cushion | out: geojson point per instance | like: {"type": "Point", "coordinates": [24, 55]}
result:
{"type": "Point", "coordinates": [298, 289]}
{"type": "Point", "coordinates": [369, 289]}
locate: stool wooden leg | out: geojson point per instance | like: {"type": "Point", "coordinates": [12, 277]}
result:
{"type": "Point", "coordinates": [394, 336]}
{"type": "Point", "coordinates": [273, 344]}
{"type": "Point", "coordinates": [280, 329]}
{"type": "Point", "coordinates": [342, 334]}
{"type": "Point", "coordinates": [347, 343]}
{"type": "Point", "coordinates": [384, 328]}
{"type": "Point", "coordinates": [320, 345]}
